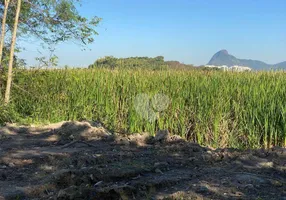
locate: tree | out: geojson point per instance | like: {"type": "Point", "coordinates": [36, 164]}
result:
{"type": "Point", "coordinates": [52, 21]}
{"type": "Point", "coordinates": [13, 42]}
{"type": "Point", "coordinates": [3, 31]}
{"type": "Point", "coordinates": [111, 62]}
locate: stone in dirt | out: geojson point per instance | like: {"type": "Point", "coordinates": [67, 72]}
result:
{"type": "Point", "coordinates": [162, 136]}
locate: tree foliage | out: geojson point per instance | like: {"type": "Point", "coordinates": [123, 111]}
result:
{"type": "Point", "coordinates": [138, 62]}
{"type": "Point", "coordinates": [53, 21]}
{"type": "Point", "coordinates": [131, 62]}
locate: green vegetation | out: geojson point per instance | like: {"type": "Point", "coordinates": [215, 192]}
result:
{"type": "Point", "coordinates": [50, 21]}
{"type": "Point", "coordinates": [211, 108]}
{"type": "Point", "coordinates": [156, 63]}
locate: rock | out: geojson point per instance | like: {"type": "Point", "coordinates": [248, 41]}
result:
{"type": "Point", "coordinates": [71, 137]}
{"type": "Point", "coordinates": [207, 157]}
{"type": "Point", "coordinates": [162, 135]}
{"type": "Point", "coordinates": [11, 165]}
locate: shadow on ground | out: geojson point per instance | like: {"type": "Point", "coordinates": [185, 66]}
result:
{"type": "Point", "coordinates": [82, 160]}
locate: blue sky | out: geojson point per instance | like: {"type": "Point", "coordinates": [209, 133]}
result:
{"type": "Point", "coordinates": [190, 31]}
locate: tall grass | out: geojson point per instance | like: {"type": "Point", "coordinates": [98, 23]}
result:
{"type": "Point", "coordinates": [219, 109]}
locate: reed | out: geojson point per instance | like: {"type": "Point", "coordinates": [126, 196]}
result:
{"type": "Point", "coordinates": [213, 108]}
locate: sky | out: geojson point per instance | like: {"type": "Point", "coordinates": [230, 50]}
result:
{"type": "Point", "coordinates": [189, 31]}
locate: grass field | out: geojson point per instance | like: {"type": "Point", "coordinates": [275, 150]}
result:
{"type": "Point", "coordinates": [218, 109]}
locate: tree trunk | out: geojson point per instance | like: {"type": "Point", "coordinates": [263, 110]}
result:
{"type": "Point", "coordinates": [3, 31]}
{"type": "Point", "coordinates": [11, 60]}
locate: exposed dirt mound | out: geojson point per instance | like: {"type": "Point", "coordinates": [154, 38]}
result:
{"type": "Point", "coordinates": [82, 131]}
{"type": "Point", "coordinates": [82, 160]}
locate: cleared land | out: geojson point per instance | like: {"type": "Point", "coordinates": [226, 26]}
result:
{"type": "Point", "coordinates": [82, 160]}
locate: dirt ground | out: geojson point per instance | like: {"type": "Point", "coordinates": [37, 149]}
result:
{"type": "Point", "coordinates": [82, 160]}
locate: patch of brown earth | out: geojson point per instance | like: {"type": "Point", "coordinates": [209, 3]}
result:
{"type": "Point", "coordinates": [82, 160]}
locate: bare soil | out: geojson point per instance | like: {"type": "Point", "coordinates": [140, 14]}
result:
{"type": "Point", "coordinates": [82, 160]}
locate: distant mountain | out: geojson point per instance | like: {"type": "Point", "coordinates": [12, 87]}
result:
{"type": "Point", "coordinates": [255, 64]}
{"type": "Point", "coordinates": [281, 65]}
{"type": "Point", "coordinates": [224, 58]}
